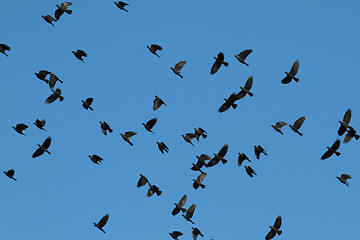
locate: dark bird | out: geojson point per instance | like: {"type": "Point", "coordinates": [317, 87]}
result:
{"type": "Point", "coordinates": [49, 19]}
{"type": "Point", "coordinates": [105, 127]}
{"type": "Point", "coordinates": [188, 137]}
{"type": "Point", "coordinates": [291, 75]}
{"type": "Point", "coordinates": [178, 68]}
{"type": "Point", "coordinates": [274, 229]}
{"type": "Point", "coordinates": [331, 150]}
{"type": "Point", "coordinates": [42, 148]}
{"type": "Point", "coordinates": [10, 174]}
{"type": "Point", "coordinates": [350, 134]}
{"type": "Point", "coordinates": [345, 122]}
{"type": "Point", "coordinates": [243, 55]}
{"type": "Point", "coordinates": [343, 178]}
{"type": "Point", "coordinates": [153, 48]}
{"type": "Point", "coordinates": [219, 60]}
{"type": "Point", "coordinates": [52, 80]}
{"type": "Point", "coordinates": [153, 189]}
{"type": "Point", "coordinates": [150, 124]}
{"type": "Point", "coordinates": [102, 223]}
{"type": "Point", "coordinates": [196, 232]}
{"type": "Point", "coordinates": [40, 124]}
{"type": "Point", "coordinates": [259, 149]}
{"type": "Point", "coordinates": [157, 103]}
{"type": "Point", "coordinates": [229, 102]}
{"type": "Point", "coordinates": [219, 156]}
{"type": "Point", "coordinates": [278, 127]}
{"type": "Point", "coordinates": [127, 136]}
{"type": "Point", "coordinates": [200, 163]}
{"type": "Point", "coordinates": [250, 171]}
{"type": "Point", "coordinates": [19, 128]}
{"type": "Point", "coordinates": [4, 47]}
{"type": "Point", "coordinates": [55, 95]}
{"type": "Point", "coordinates": [176, 234]}
{"type": "Point", "coordinates": [199, 180]}
{"type": "Point", "coordinates": [241, 158]}
{"type": "Point", "coordinates": [297, 125]}
{"type": "Point", "coordinates": [162, 147]}
{"type": "Point", "coordinates": [179, 206]}
{"type": "Point", "coordinates": [199, 132]}
{"type": "Point", "coordinates": [42, 75]}
{"type": "Point", "coordinates": [61, 9]}
{"type": "Point", "coordinates": [246, 89]}
{"type": "Point", "coordinates": [121, 5]}
{"type": "Point", "coordinates": [87, 103]}
{"type": "Point", "coordinates": [142, 181]}
{"type": "Point", "coordinates": [189, 213]}
{"type": "Point", "coordinates": [79, 54]}
{"type": "Point", "coordinates": [95, 159]}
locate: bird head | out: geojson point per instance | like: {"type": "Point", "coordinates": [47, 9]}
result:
{"type": "Point", "coordinates": [39, 145]}
{"type": "Point", "coordinates": [73, 52]}
{"type": "Point", "coordinates": [286, 73]}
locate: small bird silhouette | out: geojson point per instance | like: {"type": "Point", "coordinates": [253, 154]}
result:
{"type": "Point", "coordinates": [102, 223]}
{"type": "Point", "coordinates": [291, 75]}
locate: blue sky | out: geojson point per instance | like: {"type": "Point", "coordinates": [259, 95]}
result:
{"type": "Point", "coordinates": [60, 196]}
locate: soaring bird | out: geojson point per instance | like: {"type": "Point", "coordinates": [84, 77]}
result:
{"type": "Point", "coordinates": [297, 125]}
{"type": "Point", "coordinates": [246, 89]}
{"type": "Point", "coordinates": [153, 189]}
{"type": "Point", "coordinates": [259, 149]}
{"type": "Point", "coordinates": [153, 48]}
{"type": "Point", "coordinates": [278, 126]}
{"type": "Point", "coordinates": [42, 148]}
{"type": "Point", "coordinates": [243, 55]}
{"type": "Point", "coordinates": [189, 213]}
{"type": "Point", "coordinates": [218, 156]}
{"type": "Point", "coordinates": [40, 124]}
{"type": "Point", "coordinates": [127, 135]}
{"type": "Point", "coordinates": [219, 60]}
{"type": "Point", "coordinates": [4, 47]}
{"type": "Point", "coordinates": [55, 95]}
{"type": "Point", "coordinates": [188, 137]}
{"type": "Point", "coordinates": [241, 158]}
{"type": "Point", "coordinates": [199, 180]}
{"type": "Point", "coordinates": [102, 223]}
{"type": "Point", "coordinates": [229, 102]}
{"type": "Point", "coordinates": [178, 68]}
{"type": "Point", "coordinates": [196, 232]}
{"type": "Point", "coordinates": [199, 132]}
{"type": "Point", "coordinates": [150, 124]}
{"type": "Point", "coordinates": [343, 178]}
{"type": "Point", "coordinates": [19, 128]}
{"type": "Point", "coordinates": [10, 173]}
{"type": "Point", "coordinates": [200, 163]}
{"type": "Point", "coordinates": [121, 5]}
{"type": "Point", "coordinates": [162, 147]}
{"type": "Point", "coordinates": [105, 127]}
{"type": "Point", "coordinates": [42, 75]}
{"type": "Point", "coordinates": [350, 134]}
{"type": "Point", "coordinates": [291, 75]}
{"type": "Point", "coordinates": [142, 181]}
{"type": "Point", "coordinates": [157, 103]}
{"type": "Point", "coordinates": [79, 54]}
{"type": "Point", "coordinates": [61, 9]}
{"type": "Point", "coordinates": [250, 171]}
{"type": "Point", "coordinates": [274, 229]}
{"type": "Point", "coordinates": [345, 122]}
{"type": "Point", "coordinates": [52, 80]}
{"type": "Point", "coordinates": [331, 150]}
{"type": "Point", "coordinates": [49, 19]}
{"type": "Point", "coordinates": [95, 159]}
{"type": "Point", "coordinates": [176, 234]}
{"type": "Point", "coordinates": [87, 103]}
{"type": "Point", "coordinates": [180, 206]}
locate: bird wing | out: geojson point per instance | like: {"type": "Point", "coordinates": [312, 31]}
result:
{"type": "Point", "coordinates": [277, 223]}
{"type": "Point", "coordinates": [299, 122]}
{"type": "Point", "coordinates": [336, 144]}
{"type": "Point", "coordinates": [220, 57]}
{"type": "Point", "coordinates": [270, 235]}
{"type": "Point", "coordinates": [103, 221]}
{"type": "Point", "coordinates": [38, 153]}
{"type": "Point", "coordinates": [150, 192]}
{"type": "Point", "coordinates": [257, 153]}
{"type": "Point", "coordinates": [345, 176]}
{"type": "Point", "coordinates": [225, 106]}
{"type": "Point", "coordinates": [190, 211]}
{"type": "Point", "coordinates": [157, 103]}
{"type": "Point", "coordinates": [201, 177]}
{"type": "Point", "coordinates": [5, 47]}
{"type": "Point", "coordinates": [156, 47]}
{"type": "Point", "coordinates": [177, 233]}
{"type": "Point", "coordinates": [142, 181]}
{"type": "Point", "coordinates": [43, 122]}
{"type": "Point", "coordinates": [215, 67]}
{"type": "Point", "coordinates": [21, 126]}
{"type": "Point", "coordinates": [179, 66]}
{"type": "Point", "coordinates": [286, 80]}
{"type": "Point", "coordinates": [151, 123]}
{"type": "Point", "coordinates": [204, 157]}
{"type": "Point", "coordinates": [89, 101]}
{"type": "Point", "coordinates": [58, 13]}
{"type": "Point", "coordinates": [130, 134]}
{"type": "Point", "coordinates": [52, 80]}
{"type": "Point", "coordinates": [82, 53]}
{"type": "Point", "coordinates": [190, 135]}
{"type": "Point", "coordinates": [47, 142]}
{"type": "Point", "coordinates": [280, 124]}
{"type": "Point", "coordinates": [10, 173]}
{"type": "Point", "coordinates": [295, 67]}
{"type": "Point", "coordinates": [245, 53]}
{"type": "Point", "coordinates": [44, 72]}
{"type": "Point", "coordinates": [52, 98]}
{"type": "Point", "coordinates": [347, 116]}
{"type": "Point", "coordinates": [97, 158]}
{"type": "Point", "coordinates": [66, 4]}
{"type": "Point", "coordinates": [249, 83]}
{"type": "Point", "coordinates": [183, 201]}
{"type": "Point", "coordinates": [202, 130]}
{"type": "Point", "coordinates": [326, 155]}
{"type": "Point", "coordinates": [240, 95]}
{"type": "Point", "coordinates": [223, 150]}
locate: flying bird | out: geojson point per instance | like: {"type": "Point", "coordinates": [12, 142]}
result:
{"type": "Point", "coordinates": [150, 124]}
{"type": "Point", "coordinates": [153, 48]}
{"type": "Point", "coordinates": [42, 75]}
{"type": "Point", "coordinates": [331, 150]}
{"type": "Point", "coordinates": [52, 80]}
{"type": "Point", "coordinates": [188, 137]}
{"type": "Point", "coordinates": [200, 163]}
{"type": "Point", "coordinates": [297, 125]}
{"type": "Point", "coordinates": [157, 103]}
{"type": "Point", "coordinates": [3, 48]}
{"type": "Point", "coordinates": [291, 75]}
{"type": "Point", "coordinates": [345, 122]}
{"type": "Point", "coordinates": [162, 147]}
{"type": "Point", "coordinates": [49, 19]}
{"type": "Point", "coordinates": [343, 178]}
{"type": "Point", "coordinates": [196, 232]}
{"type": "Point", "coordinates": [61, 9]}
{"type": "Point", "coordinates": [199, 132]}
{"type": "Point", "coordinates": [178, 68]}
{"type": "Point", "coordinates": [153, 189]}
{"type": "Point", "coordinates": [179, 206]}
{"type": "Point", "coordinates": [246, 89]}
{"type": "Point", "coordinates": [243, 55]}
{"type": "Point", "coordinates": [105, 127]}
{"type": "Point", "coordinates": [19, 128]}
{"type": "Point", "coordinates": [278, 126]}
{"type": "Point", "coordinates": [274, 229]}
{"type": "Point", "coordinates": [241, 158]}
{"type": "Point", "coordinates": [42, 148]}
{"type": "Point", "coordinates": [259, 149]}
{"type": "Point", "coordinates": [95, 159]}
{"type": "Point", "coordinates": [79, 54]}
{"type": "Point", "coordinates": [176, 234]}
{"type": "Point", "coordinates": [102, 223]}
{"type": "Point", "coordinates": [121, 5]}
{"type": "Point", "coordinates": [189, 213]}
{"type": "Point", "coordinates": [199, 180]}
{"type": "Point", "coordinates": [229, 102]}
{"type": "Point", "coordinates": [350, 134]}
{"type": "Point", "coordinates": [127, 135]}
{"type": "Point", "coordinates": [87, 103]}
{"type": "Point", "coordinates": [219, 156]}
{"type": "Point", "coordinates": [55, 95]}
{"type": "Point", "coordinates": [142, 181]}
{"type": "Point", "coordinates": [10, 173]}
{"type": "Point", "coordinates": [219, 60]}
{"type": "Point", "coordinates": [250, 171]}
{"type": "Point", "coordinates": [40, 124]}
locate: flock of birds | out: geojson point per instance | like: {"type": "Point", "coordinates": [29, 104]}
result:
{"type": "Point", "coordinates": [203, 160]}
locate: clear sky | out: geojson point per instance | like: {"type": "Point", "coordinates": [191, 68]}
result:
{"type": "Point", "coordinates": [59, 196]}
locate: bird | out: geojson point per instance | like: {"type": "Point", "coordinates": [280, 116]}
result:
{"type": "Point", "coordinates": [105, 127]}
{"type": "Point", "coordinates": [178, 68]}
{"type": "Point", "coordinates": [153, 189]}
{"type": "Point", "coordinates": [150, 124]}
{"type": "Point", "coordinates": [274, 229]}
{"type": "Point", "coordinates": [42, 75]}
{"type": "Point", "coordinates": [278, 126]}
{"type": "Point", "coordinates": [10, 173]}
{"type": "Point", "coordinates": [229, 102]}
{"type": "Point", "coordinates": [153, 48]}
{"type": "Point", "coordinates": [199, 132]}
{"type": "Point", "coordinates": [241, 158]}
{"type": "Point", "coordinates": [250, 171]}
{"type": "Point", "coordinates": [79, 54]}
{"type": "Point", "coordinates": [49, 19]}
{"type": "Point", "coordinates": [55, 95]}
{"type": "Point", "coordinates": [142, 181]}
{"type": "Point", "coordinates": [219, 60]}
{"type": "Point", "coordinates": [162, 147]}
{"type": "Point", "coordinates": [350, 134]}
{"type": "Point", "coordinates": [40, 124]}
{"type": "Point", "coordinates": [61, 9]}
{"type": "Point", "coordinates": [52, 80]}
{"type": "Point", "coordinates": [189, 213]}
{"type": "Point", "coordinates": [219, 156]}
{"type": "Point", "coordinates": [196, 232]}
{"type": "Point", "coordinates": [199, 180]}
{"type": "Point", "coordinates": [297, 125]}
{"type": "Point", "coordinates": [246, 89]}
{"type": "Point", "coordinates": [291, 75]}
{"type": "Point", "coordinates": [243, 55]}
{"type": "Point", "coordinates": [331, 150]}
{"type": "Point", "coordinates": [343, 178]}
{"type": "Point", "coordinates": [200, 163]}
{"type": "Point", "coordinates": [95, 159]}
{"type": "Point", "coordinates": [87, 103]}
{"type": "Point", "coordinates": [176, 234]}
{"type": "Point", "coordinates": [157, 103]}
{"type": "Point", "coordinates": [188, 137]}
{"type": "Point", "coordinates": [102, 223]}
{"type": "Point", "coordinates": [3, 48]}
{"type": "Point", "coordinates": [179, 206]}
{"type": "Point", "coordinates": [344, 124]}
{"type": "Point", "coordinates": [19, 128]}
{"type": "Point", "coordinates": [127, 135]}
{"type": "Point", "coordinates": [121, 5]}
{"type": "Point", "coordinates": [42, 148]}
{"type": "Point", "coordinates": [259, 149]}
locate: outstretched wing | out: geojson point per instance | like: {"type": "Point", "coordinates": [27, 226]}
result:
{"type": "Point", "coordinates": [295, 67]}
{"type": "Point", "coordinates": [299, 122]}
{"type": "Point", "coordinates": [223, 150]}
{"type": "Point", "coordinates": [249, 83]}
{"type": "Point", "coordinates": [277, 223]}
{"type": "Point", "coordinates": [245, 53]}
{"type": "Point", "coordinates": [179, 66]}
{"type": "Point", "coordinates": [347, 116]}
{"type": "Point", "coordinates": [151, 123]}
{"type": "Point", "coordinates": [190, 211]}
{"type": "Point", "coordinates": [103, 221]}
{"type": "Point", "coordinates": [156, 47]}
{"type": "Point", "coordinates": [280, 124]}
{"type": "Point", "coordinates": [47, 142]}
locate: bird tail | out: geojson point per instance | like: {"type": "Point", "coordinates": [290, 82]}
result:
{"type": "Point", "coordinates": [60, 81]}
{"type": "Point", "coordinates": [279, 232]}
{"type": "Point", "coordinates": [180, 75]}
{"type": "Point", "coordinates": [110, 130]}
{"type": "Point", "coordinates": [183, 210]}
{"type": "Point", "coordinates": [43, 129]}
{"type": "Point", "coordinates": [126, 10]}
{"type": "Point", "coordinates": [48, 152]}
{"type": "Point", "coordinates": [158, 193]}
{"type": "Point", "coordinates": [234, 106]}
{"type": "Point", "coordinates": [296, 79]}
{"type": "Point", "coordinates": [14, 179]}
{"type": "Point", "coordinates": [357, 137]}
{"type": "Point", "coordinates": [226, 64]}
{"type": "Point", "coordinates": [61, 98]}
{"type": "Point", "coordinates": [202, 186]}
{"type": "Point", "coordinates": [45, 80]}
{"type": "Point", "coordinates": [6, 54]}
{"type": "Point", "coordinates": [191, 221]}
{"type": "Point", "coordinates": [204, 135]}
{"type": "Point", "coordinates": [68, 11]}
{"type": "Point", "coordinates": [254, 173]}
{"type": "Point", "coordinates": [131, 144]}
{"type": "Point", "coordinates": [250, 94]}
{"type": "Point", "coordinates": [337, 153]}
{"type": "Point", "coordinates": [201, 171]}
{"type": "Point", "coordinates": [223, 161]}
{"type": "Point", "coordinates": [246, 64]}
{"type": "Point", "coordinates": [102, 230]}
{"type": "Point", "coordinates": [300, 133]}
{"type": "Point", "coordinates": [91, 108]}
